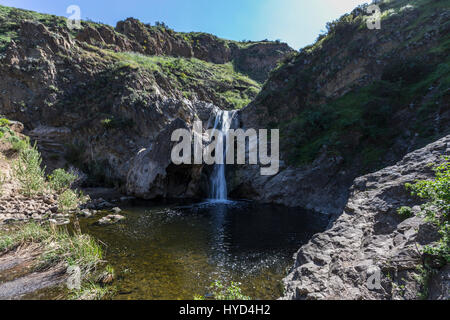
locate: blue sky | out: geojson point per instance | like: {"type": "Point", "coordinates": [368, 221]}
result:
{"type": "Point", "coordinates": [297, 22]}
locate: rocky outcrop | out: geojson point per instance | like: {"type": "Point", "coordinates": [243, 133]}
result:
{"type": "Point", "coordinates": [370, 239]}
{"type": "Point", "coordinates": [345, 111]}
{"type": "Point", "coordinates": [88, 104]}
{"type": "Point", "coordinates": [152, 174]}
{"type": "Point", "coordinates": [321, 186]}
{"type": "Point", "coordinates": [256, 59]}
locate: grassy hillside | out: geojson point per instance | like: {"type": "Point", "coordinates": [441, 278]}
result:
{"type": "Point", "coordinates": [367, 99]}
{"type": "Point", "coordinates": [232, 88]}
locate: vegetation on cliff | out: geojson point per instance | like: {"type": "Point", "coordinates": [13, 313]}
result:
{"type": "Point", "coordinates": [360, 100]}
{"type": "Point", "coordinates": [436, 210]}
{"type": "Point", "coordinates": [28, 170]}
{"type": "Point", "coordinates": [53, 247]}
{"type": "Point", "coordinates": [229, 88]}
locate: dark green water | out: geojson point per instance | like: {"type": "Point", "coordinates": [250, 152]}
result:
{"type": "Point", "coordinates": [175, 251]}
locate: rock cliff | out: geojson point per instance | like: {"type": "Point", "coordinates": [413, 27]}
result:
{"type": "Point", "coordinates": [346, 110]}
{"type": "Point", "coordinates": [93, 98]}
{"type": "Point", "coordinates": [370, 237]}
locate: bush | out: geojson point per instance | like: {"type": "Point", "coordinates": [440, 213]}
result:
{"type": "Point", "coordinates": [437, 209]}
{"type": "Point", "coordinates": [68, 201]}
{"type": "Point", "coordinates": [221, 292]}
{"type": "Point", "coordinates": [4, 122]}
{"type": "Point", "coordinates": [18, 144]}
{"type": "Point", "coordinates": [60, 180]}
{"type": "Point", "coordinates": [27, 169]}
{"type": "Point", "coordinates": [407, 71]}
{"type": "Point", "coordinates": [405, 212]}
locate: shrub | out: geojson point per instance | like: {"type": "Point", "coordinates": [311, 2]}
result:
{"type": "Point", "coordinates": [4, 122]}
{"type": "Point", "coordinates": [27, 169]}
{"type": "Point", "coordinates": [407, 71]}
{"type": "Point", "coordinates": [437, 209]}
{"type": "Point", "coordinates": [405, 212]}
{"type": "Point", "coordinates": [68, 201]}
{"type": "Point", "coordinates": [233, 292]}
{"type": "Point", "coordinates": [18, 144]}
{"type": "Point", "coordinates": [60, 180]}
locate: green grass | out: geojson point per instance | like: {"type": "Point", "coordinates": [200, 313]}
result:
{"type": "Point", "coordinates": [29, 233]}
{"type": "Point", "coordinates": [74, 249]}
{"type": "Point", "coordinates": [11, 18]}
{"type": "Point", "coordinates": [230, 87]}
{"type": "Point", "coordinates": [222, 292]}
{"type": "Point", "coordinates": [360, 121]}
{"type": "Point", "coordinates": [58, 245]}
{"type": "Point", "coordinates": [92, 291]}
{"type": "Point", "coordinates": [437, 208]}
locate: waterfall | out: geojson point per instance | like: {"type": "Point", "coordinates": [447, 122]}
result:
{"type": "Point", "coordinates": [219, 191]}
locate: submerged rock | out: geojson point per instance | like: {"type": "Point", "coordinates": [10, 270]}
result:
{"type": "Point", "coordinates": [110, 219]}
{"type": "Point", "coordinates": [116, 210]}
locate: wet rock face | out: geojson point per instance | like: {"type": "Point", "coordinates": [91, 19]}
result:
{"type": "Point", "coordinates": [370, 237]}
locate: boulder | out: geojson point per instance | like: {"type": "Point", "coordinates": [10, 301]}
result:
{"type": "Point", "coordinates": [110, 219]}
{"type": "Point", "coordinates": [153, 175]}
{"type": "Point", "coordinates": [370, 244]}
{"type": "Point", "coordinates": [116, 210]}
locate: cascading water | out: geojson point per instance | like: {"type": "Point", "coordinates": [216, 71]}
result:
{"type": "Point", "coordinates": [219, 191]}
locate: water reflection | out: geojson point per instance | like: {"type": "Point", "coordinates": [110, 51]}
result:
{"type": "Point", "coordinates": [176, 251]}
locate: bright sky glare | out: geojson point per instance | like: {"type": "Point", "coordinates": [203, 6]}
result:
{"type": "Point", "coordinates": [297, 22]}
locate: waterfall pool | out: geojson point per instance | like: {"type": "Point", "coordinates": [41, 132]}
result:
{"type": "Point", "coordinates": [175, 251]}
